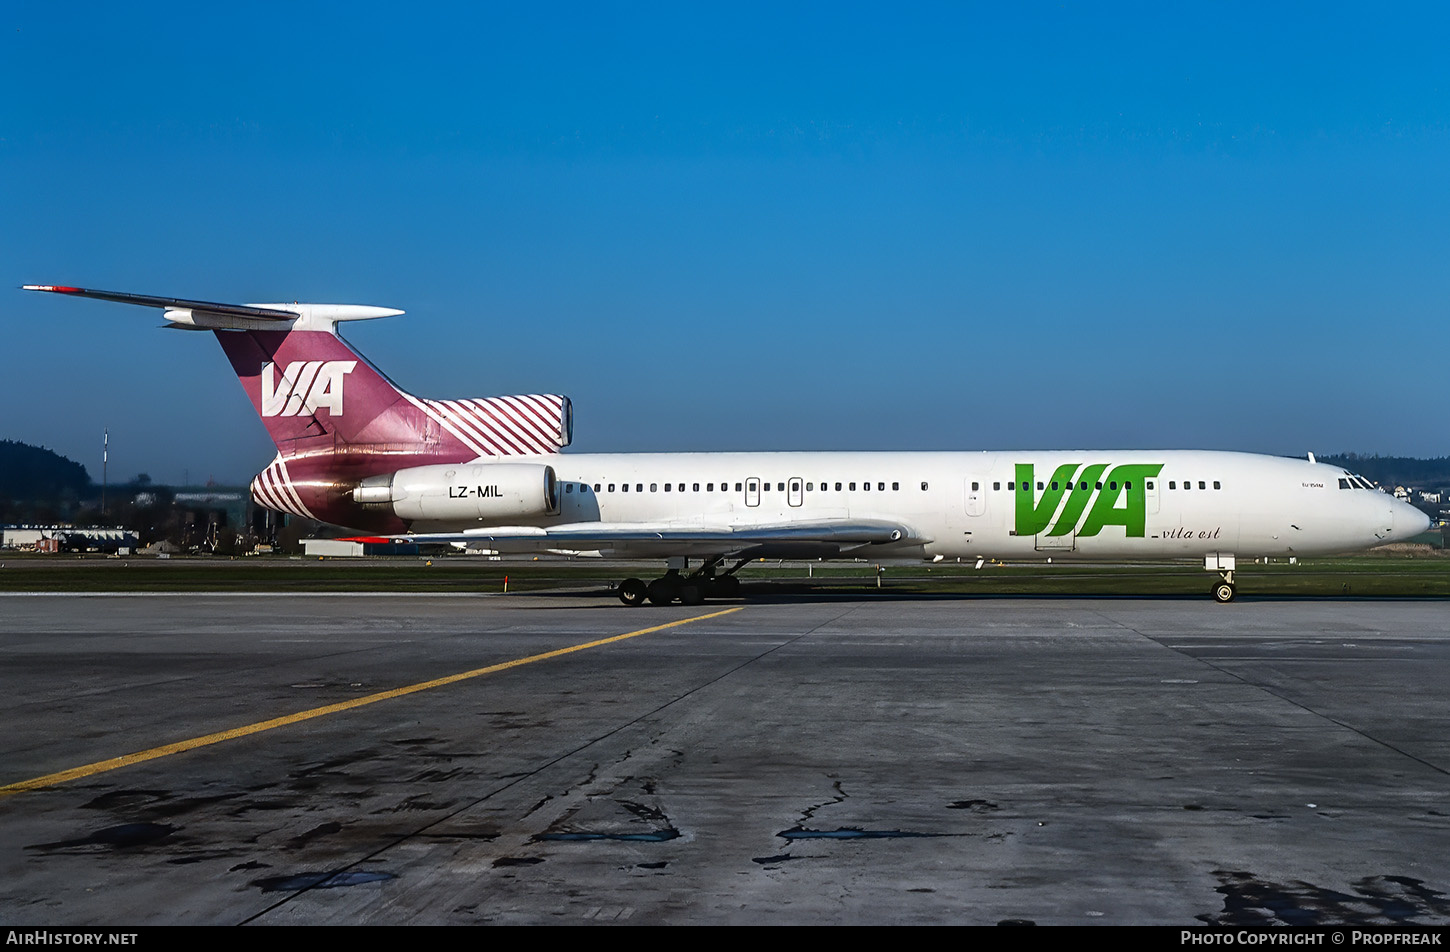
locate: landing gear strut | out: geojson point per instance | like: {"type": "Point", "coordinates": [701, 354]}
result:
{"type": "Point", "coordinates": [1224, 591]}
{"type": "Point", "coordinates": [1223, 564]}
{"type": "Point", "coordinates": [665, 589]}
{"type": "Point", "coordinates": [690, 589]}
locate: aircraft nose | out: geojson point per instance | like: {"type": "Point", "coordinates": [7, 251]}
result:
{"type": "Point", "coordinates": [1408, 521]}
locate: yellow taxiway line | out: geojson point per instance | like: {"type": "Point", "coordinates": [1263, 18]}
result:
{"type": "Point", "coordinates": [101, 766]}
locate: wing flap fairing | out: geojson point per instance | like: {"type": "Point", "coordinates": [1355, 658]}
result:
{"type": "Point", "coordinates": [650, 540]}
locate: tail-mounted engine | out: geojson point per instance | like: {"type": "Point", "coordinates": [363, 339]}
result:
{"type": "Point", "coordinates": [455, 492]}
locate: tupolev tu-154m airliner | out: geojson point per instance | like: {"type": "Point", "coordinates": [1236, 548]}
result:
{"type": "Point", "coordinates": [357, 451]}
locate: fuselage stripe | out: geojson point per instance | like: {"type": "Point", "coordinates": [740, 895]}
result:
{"type": "Point", "coordinates": [296, 496]}
{"type": "Point", "coordinates": [486, 436]}
{"type": "Point", "coordinates": [503, 418]}
{"type": "Point", "coordinates": [265, 487]}
{"type": "Point", "coordinates": [259, 492]}
{"type": "Point", "coordinates": [531, 419]}
{"type": "Point", "coordinates": [549, 409]}
{"type": "Point", "coordinates": [499, 434]}
{"type": "Point", "coordinates": [442, 421]}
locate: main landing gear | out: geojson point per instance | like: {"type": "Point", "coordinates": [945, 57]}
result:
{"type": "Point", "coordinates": [690, 589]}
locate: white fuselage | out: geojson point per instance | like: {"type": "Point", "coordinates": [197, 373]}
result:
{"type": "Point", "coordinates": [1084, 504]}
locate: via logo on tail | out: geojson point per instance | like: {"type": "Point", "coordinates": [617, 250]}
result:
{"type": "Point", "coordinates": [1118, 499]}
{"type": "Point", "coordinates": [306, 386]}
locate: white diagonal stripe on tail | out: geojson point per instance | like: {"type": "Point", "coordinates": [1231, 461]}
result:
{"type": "Point", "coordinates": [490, 431]}
{"type": "Point", "coordinates": [495, 413]}
{"type": "Point", "coordinates": [448, 425]}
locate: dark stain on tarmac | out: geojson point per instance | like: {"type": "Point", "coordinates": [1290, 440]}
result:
{"type": "Point", "coordinates": [126, 799]}
{"type": "Point", "coordinates": [663, 830]}
{"type": "Point", "coordinates": [1376, 900]}
{"type": "Point", "coordinates": [301, 881]}
{"type": "Point", "coordinates": [322, 829]}
{"type": "Point", "coordinates": [852, 833]}
{"type": "Point", "coordinates": [125, 836]}
{"type": "Point", "coordinates": [654, 836]}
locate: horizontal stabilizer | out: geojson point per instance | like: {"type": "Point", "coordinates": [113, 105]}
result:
{"type": "Point", "coordinates": [269, 312]}
{"type": "Point", "coordinates": [182, 312]}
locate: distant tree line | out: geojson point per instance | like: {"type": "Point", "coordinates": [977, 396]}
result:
{"type": "Point", "coordinates": [41, 487]}
{"type": "Point", "coordinates": [34, 472]}
{"type": "Point", "coordinates": [1396, 470]}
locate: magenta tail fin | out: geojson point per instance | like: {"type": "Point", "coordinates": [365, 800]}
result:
{"type": "Point", "coordinates": [315, 394]}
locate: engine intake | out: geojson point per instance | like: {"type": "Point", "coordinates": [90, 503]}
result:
{"type": "Point", "coordinates": [480, 492]}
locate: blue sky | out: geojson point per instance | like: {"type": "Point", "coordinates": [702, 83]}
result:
{"type": "Point", "coordinates": [744, 227]}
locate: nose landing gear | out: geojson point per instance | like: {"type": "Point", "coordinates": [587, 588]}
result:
{"type": "Point", "coordinates": [1222, 563]}
{"type": "Point", "coordinates": [1224, 591]}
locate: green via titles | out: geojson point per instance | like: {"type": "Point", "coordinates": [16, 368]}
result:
{"type": "Point", "coordinates": [1120, 499]}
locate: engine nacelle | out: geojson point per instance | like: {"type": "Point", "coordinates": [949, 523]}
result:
{"type": "Point", "coordinates": [449, 492]}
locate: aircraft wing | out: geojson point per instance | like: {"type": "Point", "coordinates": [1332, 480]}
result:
{"type": "Point", "coordinates": [631, 540]}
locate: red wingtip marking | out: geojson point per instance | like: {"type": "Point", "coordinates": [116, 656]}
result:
{"type": "Point", "coordinates": [380, 540]}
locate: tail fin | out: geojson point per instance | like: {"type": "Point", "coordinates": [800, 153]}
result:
{"type": "Point", "coordinates": [318, 396]}
{"type": "Point", "coordinates": [315, 394]}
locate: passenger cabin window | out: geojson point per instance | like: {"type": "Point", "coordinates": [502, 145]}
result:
{"type": "Point", "coordinates": [895, 487]}
{"type": "Point", "coordinates": [1201, 485]}
{"type": "Point", "coordinates": [923, 486]}
{"type": "Point", "coordinates": [667, 488]}
{"type": "Point", "coordinates": [1172, 484]}
{"type": "Point", "coordinates": [1216, 485]}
